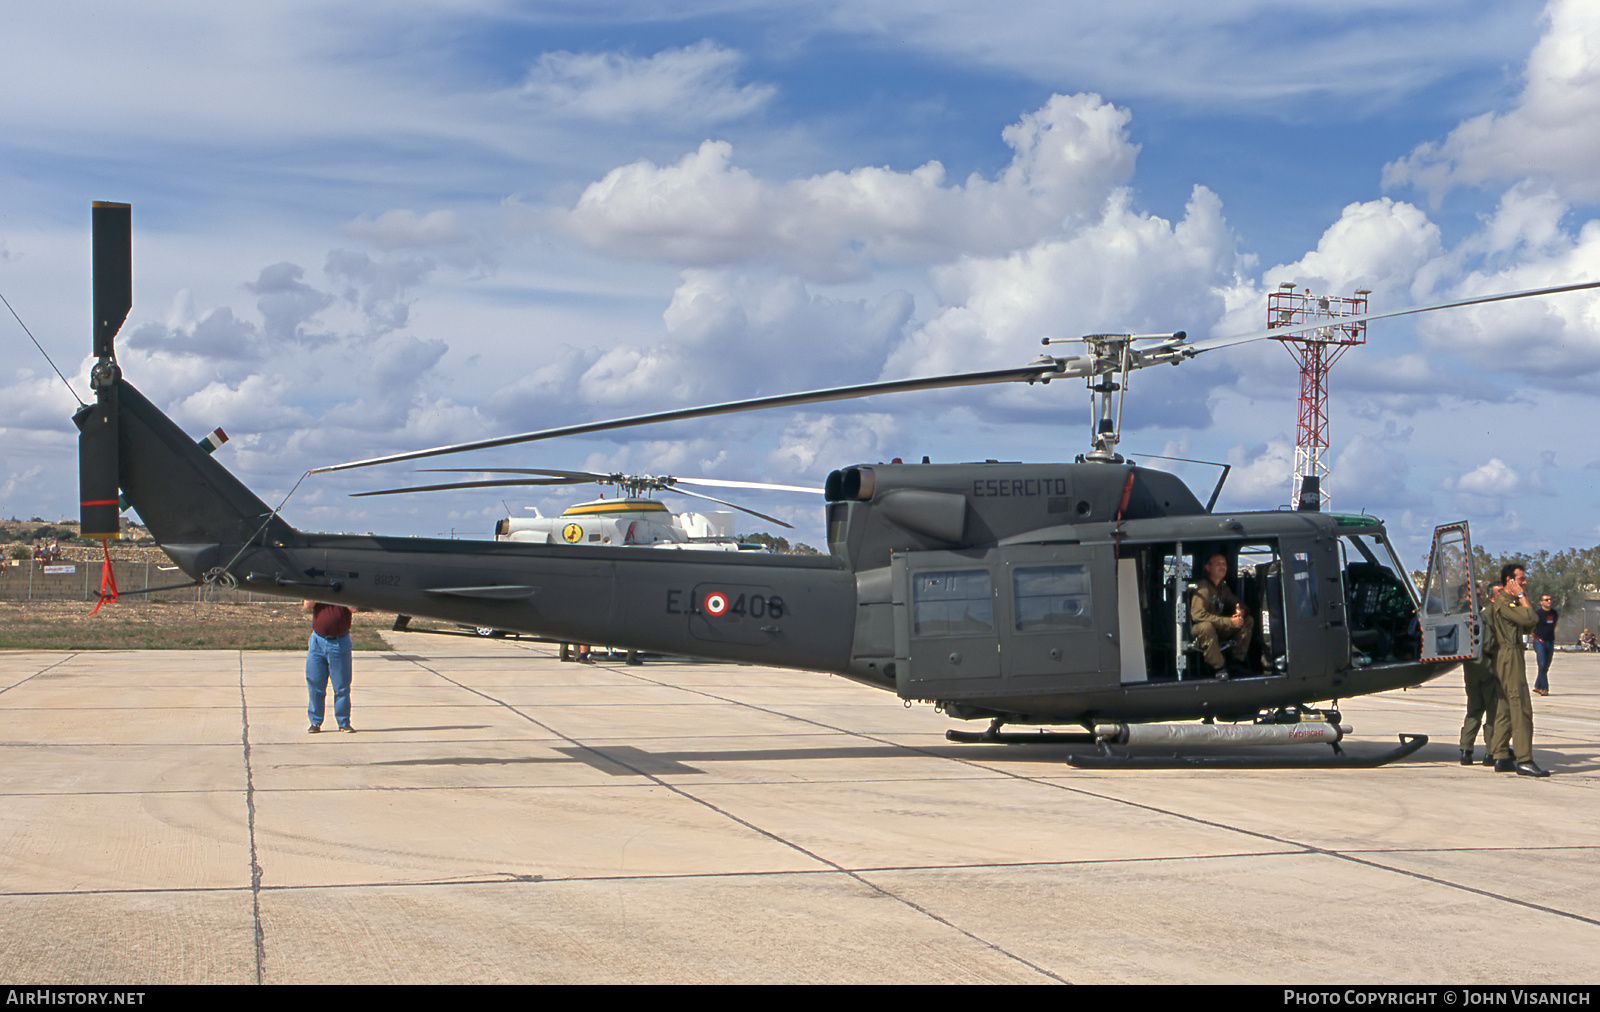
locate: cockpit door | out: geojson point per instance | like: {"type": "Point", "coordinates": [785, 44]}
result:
{"type": "Point", "coordinates": [1449, 613]}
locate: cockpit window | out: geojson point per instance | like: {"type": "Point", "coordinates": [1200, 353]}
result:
{"type": "Point", "coordinates": [1380, 599]}
{"type": "Point", "coordinates": [1449, 590]}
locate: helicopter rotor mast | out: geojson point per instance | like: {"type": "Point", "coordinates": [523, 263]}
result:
{"type": "Point", "coordinates": [1113, 356]}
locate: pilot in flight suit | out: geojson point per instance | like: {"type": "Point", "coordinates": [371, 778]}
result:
{"type": "Point", "coordinates": [1215, 614]}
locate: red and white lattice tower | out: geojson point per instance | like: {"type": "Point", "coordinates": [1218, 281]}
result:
{"type": "Point", "coordinates": [1316, 351]}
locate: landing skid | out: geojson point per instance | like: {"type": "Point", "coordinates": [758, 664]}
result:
{"type": "Point", "coordinates": [1111, 759]}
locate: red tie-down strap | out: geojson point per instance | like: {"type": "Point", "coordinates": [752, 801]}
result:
{"type": "Point", "coordinates": [108, 579]}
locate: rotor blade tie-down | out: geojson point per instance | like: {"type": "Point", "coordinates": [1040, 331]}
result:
{"type": "Point", "coordinates": [108, 578]}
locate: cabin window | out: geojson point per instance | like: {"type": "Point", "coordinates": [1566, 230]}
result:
{"type": "Point", "coordinates": [1303, 589]}
{"type": "Point", "coordinates": [1052, 597]}
{"type": "Point", "coordinates": [952, 602]}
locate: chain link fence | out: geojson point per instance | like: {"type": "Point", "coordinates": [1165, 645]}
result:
{"type": "Point", "coordinates": [79, 580]}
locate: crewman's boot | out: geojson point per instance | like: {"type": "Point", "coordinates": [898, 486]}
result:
{"type": "Point", "coordinates": [1466, 757]}
{"type": "Point", "coordinates": [1507, 765]}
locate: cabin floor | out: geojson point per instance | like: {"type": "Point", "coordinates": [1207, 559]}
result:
{"type": "Point", "coordinates": [504, 816]}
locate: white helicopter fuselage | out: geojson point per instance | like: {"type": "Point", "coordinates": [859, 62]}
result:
{"type": "Point", "coordinates": [630, 522]}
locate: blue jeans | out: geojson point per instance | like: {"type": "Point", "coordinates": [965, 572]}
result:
{"type": "Point", "coordinates": [1542, 650]}
{"type": "Point", "coordinates": [328, 660]}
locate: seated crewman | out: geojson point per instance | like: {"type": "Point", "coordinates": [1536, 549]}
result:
{"type": "Point", "coordinates": [1215, 614]}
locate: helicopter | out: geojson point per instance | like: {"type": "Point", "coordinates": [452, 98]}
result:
{"type": "Point", "coordinates": [635, 519]}
{"type": "Point", "coordinates": [1017, 593]}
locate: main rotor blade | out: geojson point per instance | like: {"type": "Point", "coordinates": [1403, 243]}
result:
{"type": "Point", "coordinates": [720, 483]}
{"type": "Point", "coordinates": [1045, 369]}
{"type": "Point", "coordinates": [502, 483]}
{"type": "Point", "coordinates": [670, 480]}
{"type": "Point", "coordinates": [724, 502]}
{"type": "Point", "coordinates": [576, 476]}
{"type": "Point", "coordinates": [1336, 321]}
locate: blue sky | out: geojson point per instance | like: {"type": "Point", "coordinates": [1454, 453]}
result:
{"type": "Point", "coordinates": [361, 231]}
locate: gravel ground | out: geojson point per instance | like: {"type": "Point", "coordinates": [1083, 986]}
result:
{"type": "Point", "coordinates": [130, 624]}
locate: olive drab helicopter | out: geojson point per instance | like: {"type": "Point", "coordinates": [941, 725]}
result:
{"type": "Point", "coordinates": [1017, 593]}
{"type": "Point", "coordinates": [634, 519]}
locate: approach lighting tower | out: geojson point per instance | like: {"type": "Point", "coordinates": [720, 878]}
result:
{"type": "Point", "coordinates": [1316, 351]}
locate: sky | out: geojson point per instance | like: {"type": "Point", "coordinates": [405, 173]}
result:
{"type": "Point", "coordinates": [362, 230]}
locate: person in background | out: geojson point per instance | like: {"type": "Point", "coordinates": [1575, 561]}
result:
{"type": "Point", "coordinates": [1544, 641]}
{"type": "Point", "coordinates": [328, 660]}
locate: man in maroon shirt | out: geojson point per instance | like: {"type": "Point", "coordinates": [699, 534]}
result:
{"type": "Point", "coordinates": [328, 659]}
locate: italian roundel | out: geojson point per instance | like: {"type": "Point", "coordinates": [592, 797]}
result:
{"type": "Point", "coordinates": [715, 604]}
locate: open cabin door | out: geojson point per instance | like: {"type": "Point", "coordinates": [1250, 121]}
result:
{"type": "Point", "coordinates": [1449, 614]}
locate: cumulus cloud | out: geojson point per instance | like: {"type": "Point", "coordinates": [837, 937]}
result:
{"type": "Point", "coordinates": [726, 336]}
{"type": "Point", "coordinates": [1552, 132]}
{"type": "Point", "coordinates": [255, 404]}
{"type": "Point", "coordinates": [1388, 247]}
{"type": "Point", "coordinates": [1261, 475]}
{"type": "Point", "coordinates": [1373, 385]}
{"type": "Point", "coordinates": [402, 228]}
{"type": "Point", "coordinates": [1554, 339]}
{"type": "Point", "coordinates": [16, 483]}
{"type": "Point", "coordinates": [379, 287]}
{"type": "Point", "coordinates": [1069, 157]}
{"type": "Point", "coordinates": [288, 384]}
{"type": "Point", "coordinates": [1483, 490]}
{"type": "Point", "coordinates": [693, 84]}
{"type": "Point", "coordinates": [287, 303]}
{"type": "Point", "coordinates": [39, 402]}
{"type": "Point", "coordinates": [1370, 473]}
{"type": "Point", "coordinates": [1392, 249]}
{"type": "Point", "coordinates": [813, 445]}
{"type": "Point", "coordinates": [1126, 272]}
{"type": "Point", "coordinates": [219, 335]}
{"type": "Point", "coordinates": [229, 344]}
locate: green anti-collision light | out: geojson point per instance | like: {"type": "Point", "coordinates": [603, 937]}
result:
{"type": "Point", "coordinates": [1354, 520]}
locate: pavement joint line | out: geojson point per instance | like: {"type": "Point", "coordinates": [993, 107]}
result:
{"type": "Point", "coordinates": [250, 810]}
{"type": "Point", "coordinates": [512, 878]}
{"type": "Point", "coordinates": [1308, 848]}
{"type": "Point", "coordinates": [36, 674]}
{"type": "Point", "coordinates": [757, 829]}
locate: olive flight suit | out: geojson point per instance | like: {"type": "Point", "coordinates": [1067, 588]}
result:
{"type": "Point", "coordinates": [1211, 621]}
{"type": "Point", "coordinates": [1513, 722]}
{"type": "Point", "coordinates": [1483, 692]}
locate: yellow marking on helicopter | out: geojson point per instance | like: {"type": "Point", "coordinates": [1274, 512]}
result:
{"type": "Point", "coordinates": [615, 506]}
{"type": "Point", "coordinates": [572, 533]}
